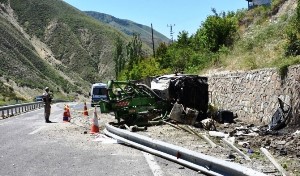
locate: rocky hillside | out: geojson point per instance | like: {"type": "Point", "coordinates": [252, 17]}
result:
{"type": "Point", "coordinates": [50, 43]}
{"type": "Point", "coordinates": [129, 27]}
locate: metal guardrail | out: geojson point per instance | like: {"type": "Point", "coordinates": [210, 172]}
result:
{"type": "Point", "coordinates": [198, 161]}
{"type": "Point", "coordinates": [11, 110]}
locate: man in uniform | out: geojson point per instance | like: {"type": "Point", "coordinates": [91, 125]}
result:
{"type": "Point", "coordinates": [47, 98]}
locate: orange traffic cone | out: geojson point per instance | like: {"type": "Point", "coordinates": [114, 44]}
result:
{"type": "Point", "coordinates": [85, 111]}
{"type": "Point", "coordinates": [66, 115]}
{"type": "Point", "coordinates": [95, 124]}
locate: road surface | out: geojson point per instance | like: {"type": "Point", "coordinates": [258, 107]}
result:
{"type": "Point", "coordinates": [29, 146]}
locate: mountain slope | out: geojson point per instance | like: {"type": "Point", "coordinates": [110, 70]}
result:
{"type": "Point", "coordinates": [129, 27]}
{"type": "Point", "coordinates": [50, 43]}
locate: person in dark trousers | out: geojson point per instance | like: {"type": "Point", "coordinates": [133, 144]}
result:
{"type": "Point", "coordinates": [47, 98]}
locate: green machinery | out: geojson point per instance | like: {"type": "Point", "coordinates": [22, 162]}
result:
{"type": "Point", "coordinates": [133, 104]}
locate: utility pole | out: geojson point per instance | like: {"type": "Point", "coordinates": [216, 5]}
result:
{"type": "Point", "coordinates": [152, 41]}
{"type": "Point", "coordinates": [171, 31]}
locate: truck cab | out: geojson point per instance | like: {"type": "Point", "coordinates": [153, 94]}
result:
{"type": "Point", "coordinates": [98, 92]}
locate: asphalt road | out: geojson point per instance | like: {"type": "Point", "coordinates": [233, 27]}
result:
{"type": "Point", "coordinates": [29, 146]}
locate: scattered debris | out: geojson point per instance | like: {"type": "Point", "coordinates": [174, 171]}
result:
{"type": "Point", "coordinates": [224, 116]}
{"type": "Point", "coordinates": [180, 115]}
{"type": "Point", "coordinates": [250, 151]}
{"type": "Point", "coordinates": [231, 156]}
{"type": "Point", "coordinates": [236, 149]}
{"type": "Point", "coordinates": [283, 151]}
{"type": "Point", "coordinates": [203, 136]}
{"type": "Point", "coordinates": [135, 128]}
{"type": "Point", "coordinates": [127, 127]}
{"type": "Point", "coordinates": [209, 124]}
{"type": "Point", "coordinates": [217, 134]}
{"type": "Point", "coordinates": [175, 126]}
{"type": "Point", "coordinates": [191, 116]}
{"type": "Point", "coordinates": [274, 162]}
{"type": "Point", "coordinates": [244, 144]}
{"type": "Point", "coordinates": [297, 133]}
{"type": "Point", "coordinates": [280, 117]}
{"type": "Point", "coordinates": [230, 139]}
{"type": "Point", "coordinates": [245, 131]}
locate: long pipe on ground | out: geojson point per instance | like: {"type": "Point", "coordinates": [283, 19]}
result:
{"type": "Point", "coordinates": [197, 161]}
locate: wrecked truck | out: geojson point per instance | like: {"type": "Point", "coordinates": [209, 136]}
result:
{"type": "Point", "coordinates": [137, 104]}
{"type": "Point", "coordinates": [132, 103]}
{"type": "Point", "coordinates": [191, 91]}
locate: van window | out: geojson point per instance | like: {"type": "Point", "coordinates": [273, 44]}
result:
{"type": "Point", "coordinates": [99, 91]}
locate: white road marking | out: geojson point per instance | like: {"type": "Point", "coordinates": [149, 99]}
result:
{"type": "Point", "coordinates": [37, 130]}
{"type": "Point", "coordinates": [155, 168]}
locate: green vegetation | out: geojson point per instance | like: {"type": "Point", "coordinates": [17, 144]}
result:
{"type": "Point", "coordinates": [188, 54]}
{"type": "Point", "coordinates": [7, 95]}
{"type": "Point", "coordinates": [293, 32]}
{"type": "Point", "coordinates": [242, 40]}
{"type": "Point", "coordinates": [119, 56]}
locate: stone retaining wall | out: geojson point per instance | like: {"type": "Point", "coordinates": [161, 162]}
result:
{"type": "Point", "coordinates": [253, 95]}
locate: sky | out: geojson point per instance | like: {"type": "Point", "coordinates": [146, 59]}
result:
{"type": "Point", "coordinates": [182, 15]}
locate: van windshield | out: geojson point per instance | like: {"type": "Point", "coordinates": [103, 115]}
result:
{"type": "Point", "coordinates": [99, 91]}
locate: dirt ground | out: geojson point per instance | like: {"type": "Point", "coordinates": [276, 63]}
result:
{"type": "Point", "coordinates": [283, 145]}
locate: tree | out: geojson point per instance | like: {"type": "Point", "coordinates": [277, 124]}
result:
{"type": "Point", "coordinates": [134, 51]}
{"type": "Point", "coordinates": [119, 56]}
{"type": "Point", "coordinates": [183, 39]}
{"type": "Point", "coordinates": [162, 56]}
{"type": "Point", "coordinates": [217, 30]}
{"type": "Point", "coordinates": [161, 50]}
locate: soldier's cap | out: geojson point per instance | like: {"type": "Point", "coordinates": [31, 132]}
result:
{"type": "Point", "coordinates": [47, 88]}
